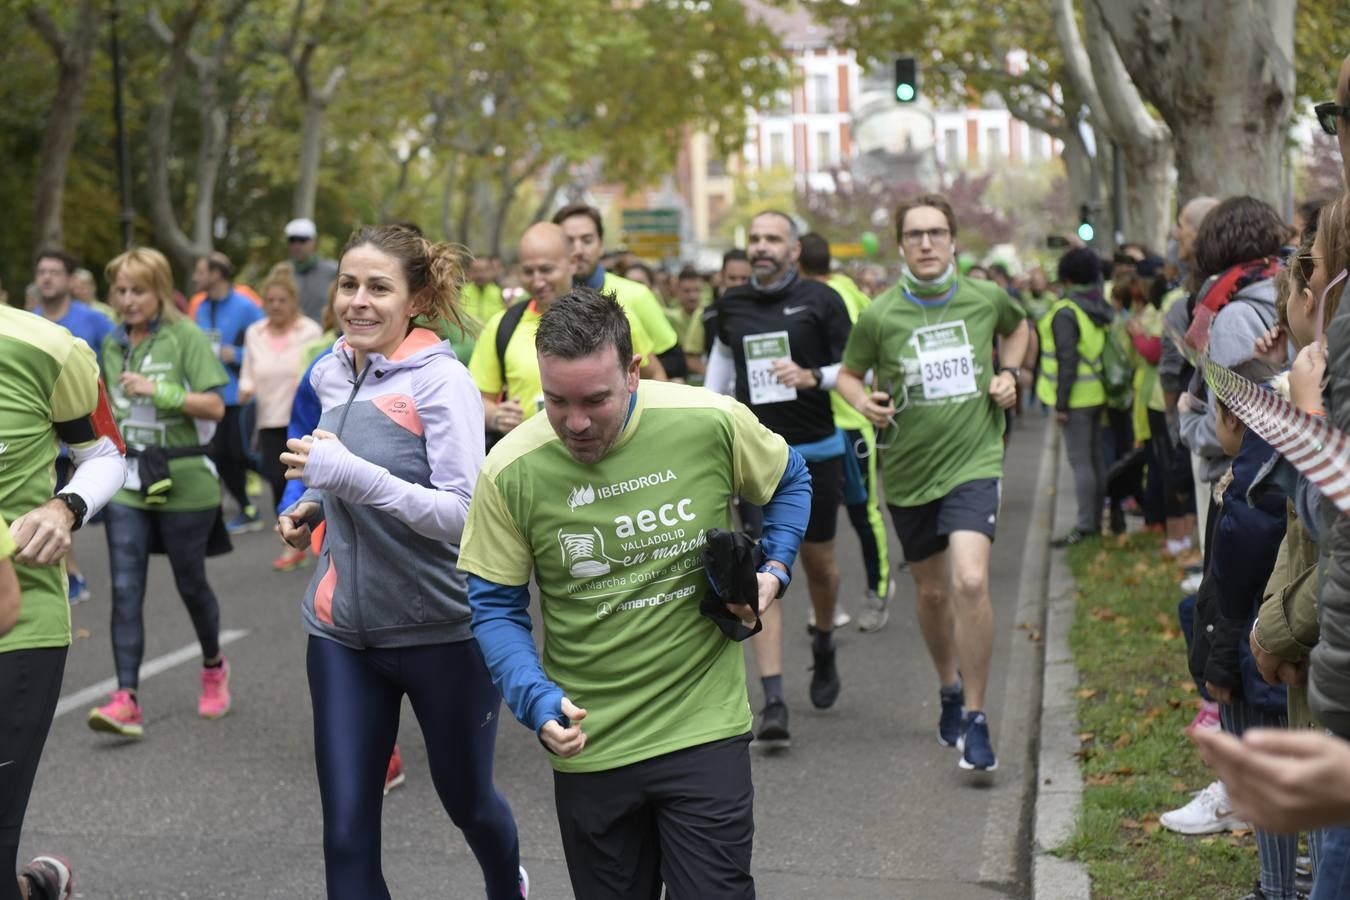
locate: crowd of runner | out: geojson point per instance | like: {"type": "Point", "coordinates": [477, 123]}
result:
{"type": "Point", "coordinates": [487, 429]}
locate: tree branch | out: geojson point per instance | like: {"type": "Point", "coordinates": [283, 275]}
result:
{"type": "Point", "coordinates": [51, 35]}
{"type": "Point", "coordinates": [1077, 64]}
{"type": "Point", "coordinates": [1127, 118]}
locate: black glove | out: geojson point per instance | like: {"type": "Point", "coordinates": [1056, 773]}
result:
{"type": "Point", "coordinates": [731, 559]}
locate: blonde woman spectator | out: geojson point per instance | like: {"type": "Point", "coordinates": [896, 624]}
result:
{"type": "Point", "coordinates": [273, 348]}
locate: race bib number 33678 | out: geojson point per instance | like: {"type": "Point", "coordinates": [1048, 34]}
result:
{"type": "Point", "coordinates": [946, 361]}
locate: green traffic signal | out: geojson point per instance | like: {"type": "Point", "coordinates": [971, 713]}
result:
{"type": "Point", "coordinates": [1086, 232]}
{"type": "Point", "coordinates": [904, 92]}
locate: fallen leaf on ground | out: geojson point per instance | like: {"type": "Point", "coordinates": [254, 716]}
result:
{"type": "Point", "coordinates": [1087, 694]}
{"type": "Point", "coordinates": [1087, 736]}
{"type": "Point", "coordinates": [1123, 741]}
{"type": "Point", "coordinates": [1141, 692]}
{"type": "Point", "coordinates": [1034, 636]}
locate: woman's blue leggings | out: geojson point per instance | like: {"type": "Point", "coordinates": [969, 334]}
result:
{"type": "Point", "coordinates": [357, 695]}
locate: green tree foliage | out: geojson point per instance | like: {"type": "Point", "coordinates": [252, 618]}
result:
{"type": "Point", "coordinates": [464, 117]}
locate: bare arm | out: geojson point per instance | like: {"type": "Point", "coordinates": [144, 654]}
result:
{"type": "Point", "coordinates": [9, 596]}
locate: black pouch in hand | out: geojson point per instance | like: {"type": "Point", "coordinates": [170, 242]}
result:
{"type": "Point", "coordinates": [731, 560]}
{"type": "Point", "coordinates": [153, 466]}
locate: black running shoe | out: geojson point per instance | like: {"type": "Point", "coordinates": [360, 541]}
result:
{"type": "Point", "coordinates": [824, 680]}
{"type": "Point", "coordinates": [773, 727]}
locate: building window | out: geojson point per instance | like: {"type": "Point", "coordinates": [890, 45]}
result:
{"type": "Point", "coordinates": [777, 149]}
{"type": "Point", "coordinates": [1035, 147]}
{"type": "Point", "coordinates": [952, 142]}
{"type": "Point", "coordinates": [993, 146]}
{"type": "Point", "coordinates": [823, 96]}
{"type": "Point", "coordinates": [716, 167]}
{"type": "Point", "coordinates": [824, 155]}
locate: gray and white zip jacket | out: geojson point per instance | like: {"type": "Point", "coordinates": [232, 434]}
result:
{"type": "Point", "coordinates": [394, 490]}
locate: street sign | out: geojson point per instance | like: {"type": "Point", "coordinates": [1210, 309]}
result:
{"type": "Point", "coordinates": [652, 233]}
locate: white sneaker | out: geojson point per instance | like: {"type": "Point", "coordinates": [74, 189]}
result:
{"type": "Point", "coordinates": [1208, 813]}
{"type": "Point", "coordinates": [876, 610]}
{"type": "Point", "coordinates": [841, 617]}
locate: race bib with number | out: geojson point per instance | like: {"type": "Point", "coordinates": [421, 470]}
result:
{"type": "Point", "coordinates": [142, 426]}
{"type": "Point", "coordinates": [761, 350]}
{"type": "Point", "coordinates": [213, 335]}
{"type": "Point", "coordinates": [946, 361]}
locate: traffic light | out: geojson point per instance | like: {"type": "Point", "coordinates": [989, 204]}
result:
{"type": "Point", "coordinates": [906, 79]}
{"type": "Point", "coordinates": [1085, 230]}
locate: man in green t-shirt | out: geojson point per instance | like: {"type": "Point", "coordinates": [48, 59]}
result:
{"type": "Point", "coordinates": [480, 297]}
{"type": "Point", "coordinates": [938, 408]}
{"type": "Point", "coordinates": [49, 394]}
{"type": "Point", "coordinates": [640, 698]}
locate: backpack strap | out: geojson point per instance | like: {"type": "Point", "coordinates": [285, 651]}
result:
{"type": "Point", "coordinates": [505, 329]}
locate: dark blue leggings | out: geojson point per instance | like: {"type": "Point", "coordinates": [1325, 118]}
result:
{"type": "Point", "coordinates": [357, 695]}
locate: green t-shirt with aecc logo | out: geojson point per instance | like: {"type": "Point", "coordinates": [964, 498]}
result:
{"type": "Point", "coordinates": [936, 361]}
{"type": "Point", "coordinates": [615, 548]}
{"type": "Point", "coordinates": [177, 352]}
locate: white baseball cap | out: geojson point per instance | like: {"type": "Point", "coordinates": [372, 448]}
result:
{"type": "Point", "coordinates": [301, 228]}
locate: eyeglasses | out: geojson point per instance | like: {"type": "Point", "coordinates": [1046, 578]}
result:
{"type": "Point", "coordinates": [1327, 115]}
{"type": "Point", "coordinates": [295, 239]}
{"type": "Point", "coordinates": [934, 235]}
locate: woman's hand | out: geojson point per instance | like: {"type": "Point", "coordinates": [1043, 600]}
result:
{"type": "Point", "coordinates": [294, 526]}
{"type": "Point", "coordinates": [136, 385]}
{"type": "Point", "coordinates": [297, 454]}
{"type": "Point", "coordinates": [1272, 347]}
{"type": "Point", "coordinates": [1306, 377]}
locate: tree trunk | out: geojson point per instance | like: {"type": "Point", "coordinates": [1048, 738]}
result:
{"type": "Point", "coordinates": [1085, 183]}
{"type": "Point", "coordinates": [311, 146]}
{"type": "Point", "coordinates": [183, 250]}
{"type": "Point", "coordinates": [1222, 76]}
{"type": "Point", "coordinates": [74, 53]}
{"type": "Point", "coordinates": [447, 195]}
{"type": "Point", "coordinates": [1148, 192]}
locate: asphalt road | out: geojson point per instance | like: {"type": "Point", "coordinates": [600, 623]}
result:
{"type": "Point", "coordinates": [865, 804]}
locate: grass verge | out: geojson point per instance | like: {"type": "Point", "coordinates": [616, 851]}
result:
{"type": "Point", "coordinates": [1135, 697]}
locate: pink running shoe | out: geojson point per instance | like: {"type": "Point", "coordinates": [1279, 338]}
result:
{"type": "Point", "coordinates": [215, 699]}
{"type": "Point", "coordinates": [121, 715]}
{"type": "Point", "coordinates": [393, 776]}
{"type": "Point", "coordinates": [1207, 718]}
{"type": "Point", "coordinates": [50, 874]}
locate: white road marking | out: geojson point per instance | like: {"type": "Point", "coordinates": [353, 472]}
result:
{"type": "Point", "coordinates": [83, 697]}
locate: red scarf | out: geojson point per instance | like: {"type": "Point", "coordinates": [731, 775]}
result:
{"type": "Point", "coordinates": [1219, 291]}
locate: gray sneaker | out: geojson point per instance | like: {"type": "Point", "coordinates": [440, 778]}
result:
{"type": "Point", "coordinates": [876, 610]}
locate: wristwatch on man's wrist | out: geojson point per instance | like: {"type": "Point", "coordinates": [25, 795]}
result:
{"type": "Point", "coordinates": [1016, 372]}
{"type": "Point", "coordinates": [78, 508]}
{"type": "Point", "coordinates": [816, 374]}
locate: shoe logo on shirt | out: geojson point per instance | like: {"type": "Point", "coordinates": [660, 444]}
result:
{"type": "Point", "coordinates": [581, 496]}
{"type": "Point", "coordinates": [603, 610]}
{"type": "Point", "coordinates": [793, 310]}
{"type": "Point", "coordinates": [6, 763]}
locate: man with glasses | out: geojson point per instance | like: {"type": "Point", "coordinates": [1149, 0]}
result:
{"type": "Point", "coordinates": [780, 338]}
{"type": "Point", "coordinates": [938, 407]}
{"type": "Point", "coordinates": [314, 276]}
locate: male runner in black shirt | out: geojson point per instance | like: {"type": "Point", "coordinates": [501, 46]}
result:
{"type": "Point", "coordinates": [781, 338]}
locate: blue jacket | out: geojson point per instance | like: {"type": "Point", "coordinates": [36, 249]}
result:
{"type": "Point", "coordinates": [1245, 543]}
{"type": "Point", "coordinates": [225, 322]}
{"type": "Point", "coordinates": [305, 412]}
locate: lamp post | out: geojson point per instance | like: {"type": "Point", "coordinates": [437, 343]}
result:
{"type": "Point", "coordinates": [126, 215]}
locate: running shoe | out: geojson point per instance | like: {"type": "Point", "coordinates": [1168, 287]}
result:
{"type": "Point", "coordinates": [290, 560]}
{"type": "Point", "coordinates": [977, 750]}
{"type": "Point", "coordinates": [247, 520]}
{"type": "Point", "coordinates": [393, 776]}
{"type": "Point", "coordinates": [1072, 537]}
{"type": "Point", "coordinates": [876, 609]}
{"type": "Point", "coordinates": [773, 727]}
{"type": "Point", "coordinates": [1209, 812]}
{"type": "Point", "coordinates": [953, 718]}
{"type": "Point", "coordinates": [121, 715]}
{"type": "Point", "coordinates": [1206, 718]}
{"type": "Point", "coordinates": [524, 882]}
{"type": "Point", "coordinates": [841, 617]}
{"type": "Point", "coordinates": [77, 588]}
{"type": "Point", "coordinates": [50, 877]}
{"type": "Point", "coordinates": [214, 701]}
{"type": "Point", "coordinates": [824, 679]}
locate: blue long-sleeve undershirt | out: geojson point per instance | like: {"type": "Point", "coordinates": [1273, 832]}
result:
{"type": "Point", "coordinates": [501, 612]}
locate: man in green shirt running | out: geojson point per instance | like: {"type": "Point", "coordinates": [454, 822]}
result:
{"type": "Point", "coordinates": [640, 699]}
{"type": "Point", "coordinates": [938, 408]}
{"type": "Point", "coordinates": [49, 394]}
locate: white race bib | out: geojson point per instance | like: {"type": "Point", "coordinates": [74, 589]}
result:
{"type": "Point", "coordinates": [761, 350]}
{"type": "Point", "coordinates": [946, 361]}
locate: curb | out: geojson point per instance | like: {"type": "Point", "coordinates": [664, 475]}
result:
{"type": "Point", "coordinates": [1059, 783]}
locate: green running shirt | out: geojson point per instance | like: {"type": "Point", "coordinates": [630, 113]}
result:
{"type": "Point", "coordinates": [951, 432]}
{"type": "Point", "coordinates": [615, 548]}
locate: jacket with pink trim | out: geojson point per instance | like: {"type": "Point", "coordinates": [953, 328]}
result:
{"type": "Point", "coordinates": [394, 491]}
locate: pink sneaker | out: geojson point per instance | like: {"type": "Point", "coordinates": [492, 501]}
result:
{"type": "Point", "coordinates": [121, 715]}
{"type": "Point", "coordinates": [52, 875]}
{"type": "Point", "coordinates": [215, 699]}
{"type": "Point", "coordinates": [393, 775]}
{"type": "Point", "coordinates": [1207, 718]}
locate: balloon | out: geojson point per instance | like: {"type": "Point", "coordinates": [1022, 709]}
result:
{"type": "Point", "coordinates": [871, 246]}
